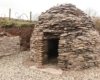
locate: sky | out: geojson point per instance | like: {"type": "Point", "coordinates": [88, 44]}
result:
{"type": "Point", "coordinates": [19, 7]}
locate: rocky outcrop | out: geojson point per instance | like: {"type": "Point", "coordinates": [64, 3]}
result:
{"type": "Point", "coordinates": [79, 44]}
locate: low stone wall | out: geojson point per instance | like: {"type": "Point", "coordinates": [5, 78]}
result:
{"type": "Point", "coordinates": [24, 31]}
{"type": "Point", "coordinates": [9, 45]}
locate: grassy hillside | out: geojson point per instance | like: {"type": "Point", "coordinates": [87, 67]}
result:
{"type": "Point", "coordinates": [5, 22]}
{"type": "Point", "coordinates": [96, 21]}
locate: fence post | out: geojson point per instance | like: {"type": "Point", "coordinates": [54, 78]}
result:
{"type": "Point", "coordinates": [30, 16]}
{"type": "Point", "coordinates": [9, 13]}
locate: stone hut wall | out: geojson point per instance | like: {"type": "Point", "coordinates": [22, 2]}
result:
{"type": "Point", "coordinates": [78, 40]}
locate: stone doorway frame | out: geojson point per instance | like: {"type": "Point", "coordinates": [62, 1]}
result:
{"type": "Point", "coordinates": [45, 46]}
{"type": "Point", "coordinates": [45, 54]}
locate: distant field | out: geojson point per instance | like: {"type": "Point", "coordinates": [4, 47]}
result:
{"type": "Point", "coordinates": [17, 22]}
{"type": "Point", "coordinates": [96, 21]}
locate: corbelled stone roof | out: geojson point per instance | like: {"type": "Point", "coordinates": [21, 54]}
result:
{"type": "Point", "coordinates": [64, 15]}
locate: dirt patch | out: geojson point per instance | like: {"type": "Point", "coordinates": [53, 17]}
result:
{"type": "Point", "coordinates": [23, 31]}
{"type": "Point", "coordinates": [11, 68]}
{"type": "Point", "coordinates": [27, 62]}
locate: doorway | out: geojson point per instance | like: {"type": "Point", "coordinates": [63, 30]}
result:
{"type": "Point", "coordinates": [53, 50]}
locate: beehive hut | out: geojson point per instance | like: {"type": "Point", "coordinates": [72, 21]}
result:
{"type": "Point", "coordinates": [65, 33]}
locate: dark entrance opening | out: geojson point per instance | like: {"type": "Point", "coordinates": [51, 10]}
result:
{"type": "Point", "coordinates": [53, 50]}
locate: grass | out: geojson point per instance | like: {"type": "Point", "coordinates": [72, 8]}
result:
{"type": "Point", "coordinates": [96, 21]}
{"type": "Point", "coordinates": [5, 22]}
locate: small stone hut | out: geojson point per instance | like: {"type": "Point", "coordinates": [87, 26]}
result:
{"type": "Point", "coordinates": [67, 34]}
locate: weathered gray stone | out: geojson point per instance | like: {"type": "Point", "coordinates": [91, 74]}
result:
{"type": "Point", "coordinates": [9, 45]}
{"type": "Point", "coordinates": [79, 42]}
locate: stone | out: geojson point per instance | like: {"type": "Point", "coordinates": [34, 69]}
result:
{"type": "Point", "coordinates": [79, 42]}
{"type": "Point", "coordinates": [9, 45]}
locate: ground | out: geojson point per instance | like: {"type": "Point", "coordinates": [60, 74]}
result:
{"type": "Point", "coordinates": [15, 67]}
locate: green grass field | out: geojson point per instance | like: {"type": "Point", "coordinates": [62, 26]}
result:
{"type": "Point", "coordinates": [5, 22]}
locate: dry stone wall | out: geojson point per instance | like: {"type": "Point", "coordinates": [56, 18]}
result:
{"type": "Point", "coordinates": [9, 45]}
{"type": "Point", "coordinates": [79, 44]}
{"type": "Point", "coordinates": [24, 31]}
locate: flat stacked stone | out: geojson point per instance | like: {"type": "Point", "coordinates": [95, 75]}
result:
{"type": "Point", "coordinates": [79, 44]}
